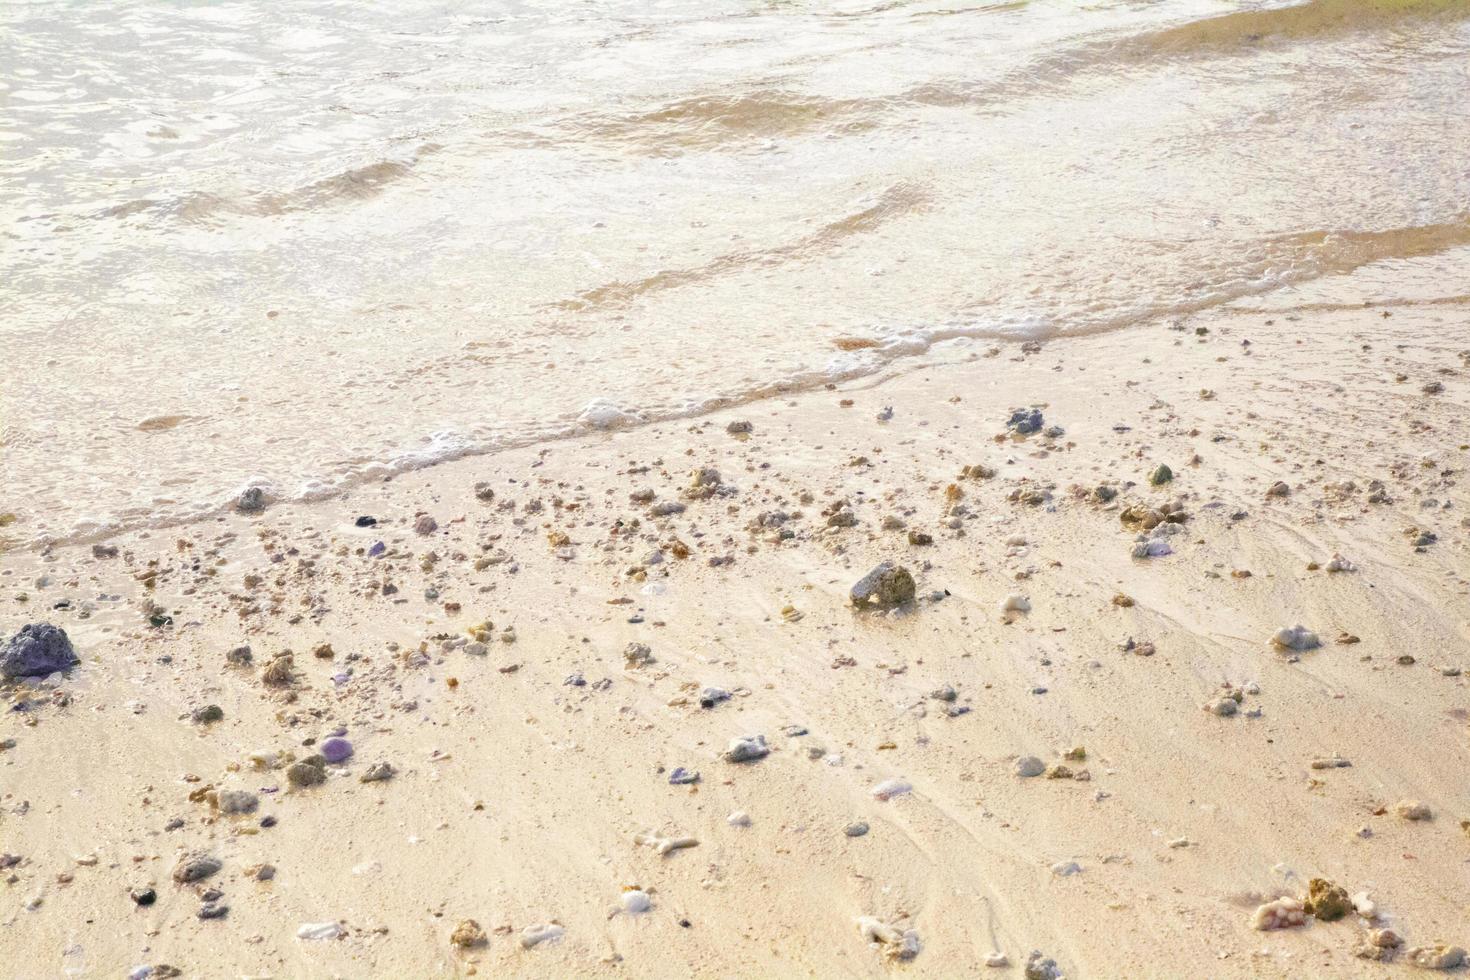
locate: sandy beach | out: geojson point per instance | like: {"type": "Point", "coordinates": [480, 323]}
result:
{"type": "Point", "coordinates": [728, 489]}
{"type": "Point", "coordinates": [1055, 745]}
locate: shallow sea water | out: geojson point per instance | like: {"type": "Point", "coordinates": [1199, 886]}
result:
{"type": "Point", "coordinates": [305, 245]}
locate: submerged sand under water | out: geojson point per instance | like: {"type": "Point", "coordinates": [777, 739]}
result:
{"type": "Point", "coordinates": [324, 246]}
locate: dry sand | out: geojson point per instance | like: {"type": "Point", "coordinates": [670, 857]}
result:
{"type": "Point", "coordinates": [518, 797]}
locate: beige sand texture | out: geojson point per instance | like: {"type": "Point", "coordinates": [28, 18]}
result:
{"type": "Point", "coordinates": [519, 798]}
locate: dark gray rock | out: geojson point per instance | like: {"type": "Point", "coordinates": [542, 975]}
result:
{"type": "Point", "coordinates": [1024, 421]}
{"type": "Point", "coordinates": [252, 501]}
{"type": "Point", "coordinates": [37, 650]}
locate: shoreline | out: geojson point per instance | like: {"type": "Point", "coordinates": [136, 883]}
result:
{"type": "Point", "coordinates": [519, 797]}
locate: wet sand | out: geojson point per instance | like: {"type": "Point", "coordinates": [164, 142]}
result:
{"type": "Point", "coordinates": [520, 795]}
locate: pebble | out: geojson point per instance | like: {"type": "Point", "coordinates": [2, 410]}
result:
{"type": "Point", "coordinates": [1224, 707]}
{"type": "Point", "coordinates": [317, 931]}
{"type": "Point", "coordinates": [1439, 957]}
{"type": "Point", "coordinates": [739, 818]}
{"type": "Point", "coordinates": [251, 501]}
{"type": "Point", "coordinates": [196, 867]}
{"type": "Point", "coordinates": [468, 935]}
{"type": "Point", "coordinates": [1039, 967]}
{"type": "Point", "coordinates": [425, 525]}
{"type": "Point", "coordinates": [1024, 421]}
{"type": "Point", "coordinates": [207, 715]}
{"type": "Point", "coordinates": [310, 771]}
{"type": "Point", "coordinates": [236, 801]}
{"type": "Point", "coordinates": [1065, 869]}
{"type": "Point", "coordinates": [890, 788]}
{"type": "Point", "coordinates": [637, 655]}
{"type": "Point", "coordinates": [682, 777]}
{"type": "Point", "coordinates": [378, 772]}
{"type": "Point", "coordinates": [336, 750]}
{"type": "Point", "coordinates": [1016, 603]}
{"type": "Point", "coordinates": [899, 944]}
{"type": "Point", "coordinates": [635, 901]}
{"type": "Point", "coordinates": [1282, 913]}
{"type": "Point", "coordinates": [747, 748]}
{"type": "Point", "coordinates": [1028, 765]}
{"type": "Point", "coordinates": [1412, 810]}
{"type": "Point", "coordinates": [856, 829]}
{"type": "Point", "coordinates": [1295, 638]}
{"type": "Point", "coordinates": [541, 933]}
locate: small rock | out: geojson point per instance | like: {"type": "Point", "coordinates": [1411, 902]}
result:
{"type": "Point", "coordinates": [1283, 913]}
{"type": "Point", "coordinates": [1412, 810]}
{"type": "Point", "coordinates": [897, 944]}
{"type": "Point", "coordinates": [319, 931]}
{"type": "Point", "coordinates": [1040, 967]}
{"type": "Point", "coordinates": [236, 801]}
{"type": "Point", "coordinates": [378, 772]}
{"type": "Point", "coordinates": [747, 748]}
{"type": "Point", "coordinates": [1024, 421]}
{"type": "Point", "coordinates": [886, 585]}
{"type": "Point", "coordinates": [1161, 475]}
{"type": "Point", "coordinates": [467, 935]}
{"type": "Point", "coordinates": [1326, 901]}
{"type": "Point", "coordinates": [1015, 603]}
{"type": "Point", "coordinates": [195, 867]}
{"type": "Point", "coordinates": [308, 772]}
{"type": "Point", "coordinates": [425, 525]}
{"type": "Point", "coordinates": [39, 649]}
{"type": "Point", "coordinates": [251, 501]}
{"type": "Point", "coordinates": [207, 715]}
{"type": "Point", "coordinates": [336, 750]}
{"type": "Point", "coordinates": [890, 788]}
{"type": "Point", "coordinates": [1028, 765]}
{"type": "Point", "coordinates": [1295, 638]}
{"type": "Point", "coordinates": [541, 933]}
{"type": "Point", "coordinates": [1438, 957]}
{"type": "Point", "coordinates": [637, 655]}
{"type": "Point", "coordinates": [1224, 707]}
{"type": "Point", "coordinates": [855, 829]}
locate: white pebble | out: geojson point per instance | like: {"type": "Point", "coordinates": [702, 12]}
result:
{"type": "Point", "coordinates": [319, 930]}
{"type": "Point", "coordinates": [890, 788]}
{"type": "Point", "coordinates": [541, 933]}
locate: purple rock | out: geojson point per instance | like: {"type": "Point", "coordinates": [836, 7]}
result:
{"type": "Point", "coordinates": [336, 750]}
{"type": "Point", "coordinates": [377, 549]}
{"type": "Point", "coordinates": [37, 650]}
